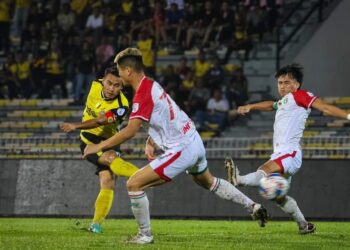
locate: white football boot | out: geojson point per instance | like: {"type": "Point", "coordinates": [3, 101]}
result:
{"type": "Point", "coordinates": [141, 239]}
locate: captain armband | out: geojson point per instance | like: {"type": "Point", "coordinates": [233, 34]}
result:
{"type": "Point", "coordinates": [110, 116]}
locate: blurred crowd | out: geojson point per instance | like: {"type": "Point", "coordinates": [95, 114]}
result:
{"type": "Point", "coordinates": [55, 48]}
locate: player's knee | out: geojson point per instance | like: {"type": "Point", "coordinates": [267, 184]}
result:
{"type": "Point", "coordinates": [108, 157]}
{"type": "Point", "coordinates": [107, 180]}
{"type": "Point", "coordinates": [204, 180]}
{"type": "Point", "coordinates": [133, 185]}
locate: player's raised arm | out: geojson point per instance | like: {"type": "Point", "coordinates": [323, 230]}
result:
{"type": "Point", "coordinates": [330, 110]}
{"type": "Point", "coordinates": [128, 132]}
{"type": "Point", "coordinates": [263, 106]}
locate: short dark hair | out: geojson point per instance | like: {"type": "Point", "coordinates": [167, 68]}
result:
{"type": "Point", "coordinates": [134, 62]}
{"type": "Point", "coordinates": [111, 70]}
{"type": "Point", "coordinates": [294, 70]}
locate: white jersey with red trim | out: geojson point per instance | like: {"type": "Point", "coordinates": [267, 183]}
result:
{"type": "Point", "coordinates": [168, 125]}
{"type": "Point", "coordinates": [292, 111]}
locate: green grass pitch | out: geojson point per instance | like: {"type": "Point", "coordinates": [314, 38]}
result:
{"type": "Point", "coordinates": [38, 233]}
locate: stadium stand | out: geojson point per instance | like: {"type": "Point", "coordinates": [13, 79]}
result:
{"type": "Point", "coordinates": [30, 130]}
{"type": "Point", "coordinates": [50, 57]}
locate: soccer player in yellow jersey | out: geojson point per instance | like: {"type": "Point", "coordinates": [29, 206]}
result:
{"type": "Point", "coordinates": [106, 107]}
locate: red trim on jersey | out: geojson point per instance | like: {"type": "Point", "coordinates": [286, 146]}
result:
{"type": "Point", "coordinates": [303, 98]}
{"type": "Point", "coordinates": [279, 160]}
{"type": "Point", "coordinates": [142, 102]}
{"type": "Point", "coordinates": [171, 109]}
{"type": "Point", "coordinates": [160, 170]}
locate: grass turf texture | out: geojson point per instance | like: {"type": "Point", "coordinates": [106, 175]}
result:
{"type": "Point", "coordinates": [38, 233]}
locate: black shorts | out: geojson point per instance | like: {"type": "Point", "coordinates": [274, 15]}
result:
{"type": "Point", "coordinates": [93, 158]}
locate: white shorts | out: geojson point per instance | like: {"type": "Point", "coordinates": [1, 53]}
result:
{"type": "Point", "coordinates": [178, 159]}
{"type": "Point", "coordinates": [289, 162]}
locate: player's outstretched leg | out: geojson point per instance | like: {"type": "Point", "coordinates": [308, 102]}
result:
{"type": "Point", "coordinates": [227, 191]}
{"type": "Point", "coordinates": [236, 179]}
{"type": "Point", "coordinates": [290, 206]}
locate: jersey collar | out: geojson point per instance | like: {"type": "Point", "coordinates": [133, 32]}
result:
{"type": "Point", "coordinates": [107, 99]}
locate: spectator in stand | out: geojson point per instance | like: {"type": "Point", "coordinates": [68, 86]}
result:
{"type": "Point", "coordinates": [10, 76]}
{"type": "Point", "coordinates": [237, 91]}
{"type": "Point", "coordinates": [182, 68]}
{"type": "Point", "coordinates": [35, 16]}
{"type": "Point", "coordinates": [30, 34]}
{"type": "Point", "coordinates": [38, 73]}
{"type": "Point", "coordinates": [256, 21]}
{"type": "Point", "coordinates": [94, 24]}
{"type": "Point", "coordinates": [225, 24]}
{"type": "Point", "coordinates": [104, 51]}
{"type": "Point", "coordinates": [109, 21]}
{"type": "Point", "coordinates": [139, 22]}
{"type": "Point", "coordinates": [240, 39]}
{"type": "Point", "coordinates": [171, 80]}
{"type": "Point", "coordinates": [20, 17]}
{"type": "Point", "coordinates": [127, 7]}
{"type": "Point", "coordinates": [217, 112]}
{"type": "Point", "coordinates": [183, 93]}
{"type": "Point", "coordinates": [4, 26]}
{"type": "Point", "coordinates": [55, 75]}
{"type": "Point", "coordinates": [158, 23]}
{"type": "Point", "coordinates": [204, 27]}
{"type": "Point", "coordinates": [201, 65]}
{"type": "Point", "coordinates": [215, 76]}
{"type": "Point", "coordinates": [79, 7]}
{"type": "Point", "coordinates": [198, 97]}
{"type": "Point", "coordinates": [174, 21]}
{"type": "Point", "coordinates": [44, 40]}
{"type": "Point", "coordinates": [146, 45]}
{"type": "Point", "coordinates": [123, 43]}
{"type": "Point", "coordinates": [23, 75]}
{"type": "Point", "coordinates": [180, 4]}
{"type": "Point", "coordinates": [66, 18]}
{"type": "Point", "coordinates": [85, 72]}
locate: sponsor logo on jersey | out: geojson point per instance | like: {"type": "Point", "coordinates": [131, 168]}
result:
{"type": "Point", "coordinates": [135, 107]}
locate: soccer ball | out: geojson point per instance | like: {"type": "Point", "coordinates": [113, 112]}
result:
{"type": "Point", "coordinates": [273, 186]}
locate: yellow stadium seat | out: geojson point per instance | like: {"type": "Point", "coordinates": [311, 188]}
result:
{"type": "Point", "coordinates": [36, 124]}
{"type": "Point", "coordinates": [29, 103]}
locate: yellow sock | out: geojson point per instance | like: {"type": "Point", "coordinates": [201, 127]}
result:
{"type": "Point", "coordinates": [103, 204]}
{"type": "Point", "coordinates": [122, 168]}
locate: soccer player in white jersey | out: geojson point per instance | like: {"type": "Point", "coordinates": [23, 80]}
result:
{"type": "Point", "coordinates": [170, 129]}
{"type": "Point", "coordinates": [292, 110]}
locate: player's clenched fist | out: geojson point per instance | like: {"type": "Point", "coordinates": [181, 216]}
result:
{"type": "Point", "coordinates": [243, 109]}
{"type": "Point", "coordinates": [67, 127]}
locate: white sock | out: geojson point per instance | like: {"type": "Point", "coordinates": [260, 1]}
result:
{"type": "Point", "coordinates": [251, 179]}
{"type": "Point", "coordinates": [290, 207]}
{"type": "Point", "coordinates": [140, 209]}
{"type": "Point", "coordinates": [227, 191]}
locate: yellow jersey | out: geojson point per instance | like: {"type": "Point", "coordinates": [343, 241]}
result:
{"type": "Point", "coordinates": [4, 12]}
{"type": "Point", "coordinates": [96, 105]}
{"type": "Point", "coordinates": [23, 70]}
{"type": "Point", "coordinates": [200, 68]}
{"type": "Point", "coordinates": [145, 46]}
